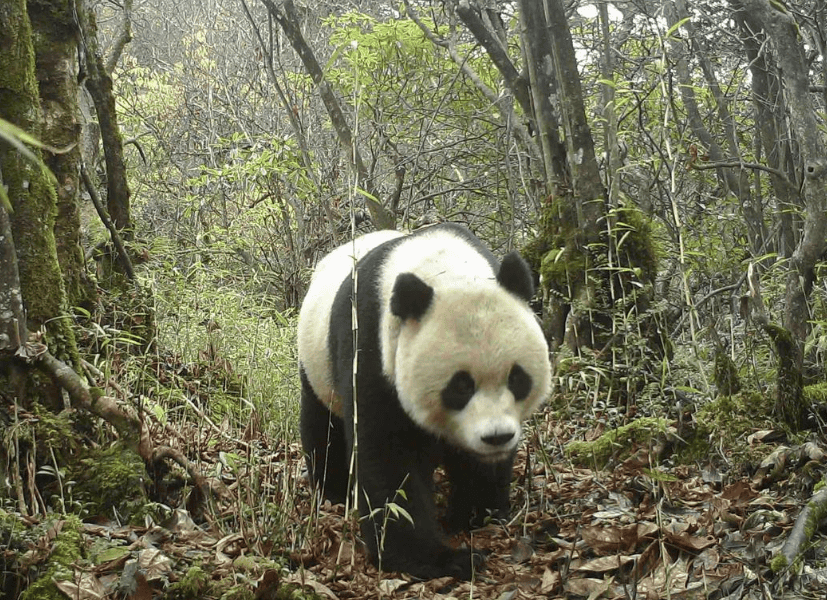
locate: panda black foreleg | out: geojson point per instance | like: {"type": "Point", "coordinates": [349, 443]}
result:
{"type": "Point", "coordinates": [404, 460]}
{"type": "Point", "coordinates": [478, 490]}
{"type": "Point", "coordinates": [323, 441]}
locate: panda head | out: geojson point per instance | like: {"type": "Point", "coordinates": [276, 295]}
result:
{"type": "Point", "coordinates": [470, 361]}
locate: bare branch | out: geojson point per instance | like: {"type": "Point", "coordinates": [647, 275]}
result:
{"type": "Point", "coordinates": [739, 164]}
{"type": "Point", "coordinates": [123, 37]}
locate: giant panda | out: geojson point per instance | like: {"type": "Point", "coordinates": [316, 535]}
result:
{"type": "Point", "coordinates": [450, 360]}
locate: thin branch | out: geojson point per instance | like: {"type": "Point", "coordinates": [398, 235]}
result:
{"type": "Point", "coordinates": [726, 164]}
{"type": "Point", "coordinates": [123, 37]}
{"type": "Point", "coordinates": [286, 17]}
{"type": "Point", "coordinates": [128, 270]}
{"type": "Point", "coordinates": [520, 129]}
{"type": "Point", "coordinates": [499, 56]}
{"type": "Point", "coordinates": [130, 427]}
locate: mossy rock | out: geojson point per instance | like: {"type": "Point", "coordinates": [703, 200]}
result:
{"type": "Point", "coordinates": [738, 415]}
{"type": "Point", "coordinates": [728, 421]}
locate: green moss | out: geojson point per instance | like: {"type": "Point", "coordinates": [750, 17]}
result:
{"type": "Point", "coordinates": [635, 242]}
{"type": "Point", "coordinates": [293, 591]}
{"type": "Point", "coordinates": [109, 478]}
{"type": "Point", "coordinates": [192, 585]}
{"type": "Point", "coordinates": [789, 399]}
{"type": "Point", "coordinates": [255, 565]}
{"type": "Point", "coordinates": [156, 512]}
{"type": "Point", "coordinates": [67, 550]}
{"type": "Point", "coordinates": [737, 415]}
{"type": "Point", "coordinates": [818, 511]}
{"type": "Point", "coordinates": [238, 592]}
{"type": "Point", "coordinates": [616, 443]}
{"type": "Point", "coordinates": [729, 420]}
{"type": "Point", "coordinates": [54, 429]}
{"type": "Point", "coordinates": [31, 189]}
{"type": "Point", "coordinates": [778, 563]}
{"type": "Point", "coordinates": [726, 373]}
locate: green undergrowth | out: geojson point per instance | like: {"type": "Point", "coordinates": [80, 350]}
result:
{"type": "Point", "coordinates": [724, 425]}
{"type": "Point", "coordinates": [222, 350]}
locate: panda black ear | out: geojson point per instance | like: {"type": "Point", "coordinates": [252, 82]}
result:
{"type": "Point", "coordinates": [515, 276]}
{"type": "Point", "coordinates": [411, 297]}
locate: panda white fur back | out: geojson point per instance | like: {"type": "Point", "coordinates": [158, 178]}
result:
{"type": "Point", "coordinates": [314, 316]}
{"type": "Point", "coordinates": [451, 360]}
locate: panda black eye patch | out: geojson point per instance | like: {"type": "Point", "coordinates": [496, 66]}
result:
{"type": "Point", "coordinates": [519, 383]}
{"type": "Point", "coordinates": [459, 391]}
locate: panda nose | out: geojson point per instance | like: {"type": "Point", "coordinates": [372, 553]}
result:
{"type": "Point", "coordinates": [497, 439]}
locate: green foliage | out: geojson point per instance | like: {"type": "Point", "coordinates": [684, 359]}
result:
{"type": "Point", "coordinates": [815, 394]}
{"type": "Point", "coordinates": [377, 55]}
{"type": "Point", "coordinates": [238, 347]}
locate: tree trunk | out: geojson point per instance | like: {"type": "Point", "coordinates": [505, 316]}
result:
{"type": "Point", "coordinates": [770, 115]}
{"type": "Point", "coordinates": [56, 36]}
{"type": "Point", "coordinates": [734, 179]}
{"type": "Point", "coordinates": [586, 183]}
{"type": "Point", "coordinates": [537, 49]}
{"type": "Point", "coordinates": [783, 33]}
{"type": "Point", "coordinates": [12, 316]}
{"type": "Point", "coordinates": [30, 188]}
{"type": "Point", "coordinates": [99, 84]}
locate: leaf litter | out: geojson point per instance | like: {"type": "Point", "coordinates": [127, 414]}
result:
{"type": "Point", "coordinates": [628, 531]}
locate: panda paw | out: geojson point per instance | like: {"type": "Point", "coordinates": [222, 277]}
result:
{"type": "Point", "coordinates": [464, 563]}
{"type": "Point", "coordinates": [458, 563]}
{"type": "Point", "coordinates": [468, 519]}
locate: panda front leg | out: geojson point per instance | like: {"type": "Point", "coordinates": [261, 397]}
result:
{"type": "Point", "coordinates": [478, 489]}
{"type": "Point", "coordinates": [323, 441]}
{"type": "Point", "coordinates": [396, 462]}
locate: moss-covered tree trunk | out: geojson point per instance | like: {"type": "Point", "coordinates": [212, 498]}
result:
{"type": "Point", "coordinates": [30, 188]}
{"type": "Point", "coordinates": [56, 36]}
{"type": "Point", "coordinates": [790, 404]}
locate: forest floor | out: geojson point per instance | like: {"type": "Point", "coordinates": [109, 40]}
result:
{"type": "Point", "coordinates": [630, 530]}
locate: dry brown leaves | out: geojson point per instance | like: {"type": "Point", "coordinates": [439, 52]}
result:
{"type": "Point", "coordinates": [631, 532]}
